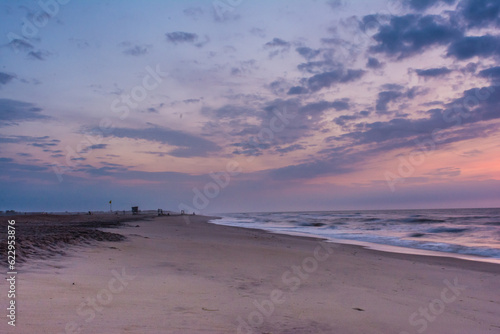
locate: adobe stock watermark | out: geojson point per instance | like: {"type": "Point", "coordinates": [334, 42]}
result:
{"type": "Point", "coordinates": [87, 309]}
{"type": "Point", "coordinates": [223, 8]}
{"type": "Point", "coordinates": [221, 180]}
{"type": "Point", "coordinates": [211, 189]}
{"type": "Point", "coordinates": [278, 123]}
{"type": "Point", "coordinates": [417, 157]}
{"type": "Point", "coordinates": [364, 30]}
{"type": "Point", "coordinates": [31, 25]}
{"type": "Point", "coordinates": [121, 106]}
{"type": "Point", "coordinates": [292, 280]}
{"type": "Point", "coordinates": [428, 314]}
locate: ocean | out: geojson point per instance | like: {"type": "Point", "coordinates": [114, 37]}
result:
{"type": "Point", "coordinates": [472, 234]}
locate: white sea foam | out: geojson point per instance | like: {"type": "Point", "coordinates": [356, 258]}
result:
{"type": "Point", "coordinates": [474, 232]}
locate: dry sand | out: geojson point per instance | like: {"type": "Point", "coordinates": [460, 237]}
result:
{"type": "Point", "coordinates": [174, 276]}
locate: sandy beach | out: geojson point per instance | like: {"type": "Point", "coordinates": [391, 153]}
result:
{"type": "Point", "coordinates": [183, 275]}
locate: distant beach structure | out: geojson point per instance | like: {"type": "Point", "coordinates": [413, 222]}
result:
{"type": "Point", "coordinates": [135, 210]}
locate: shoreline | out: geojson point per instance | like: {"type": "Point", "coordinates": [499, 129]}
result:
{"type": "Point", "coordinates": [376, 246]}
{"type": "Point", "coordinates": [379, 246]}
{"type": "Point", "coordinates": [199, 277]}
{"type": "Point", "coordinates": [435, 257]}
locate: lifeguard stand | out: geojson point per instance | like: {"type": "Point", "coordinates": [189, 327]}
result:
{"type": "Point", "coordinates": [135, 210]}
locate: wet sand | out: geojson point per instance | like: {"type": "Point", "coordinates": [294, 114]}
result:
{"type": "Point", "coordinates": [172, 275]}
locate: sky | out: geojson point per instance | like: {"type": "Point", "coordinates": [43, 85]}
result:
{"type": "Point", "coordinates": [242, 106]}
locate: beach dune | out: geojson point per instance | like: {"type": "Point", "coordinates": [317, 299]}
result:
{"type": "Point", "coordinates": [183, 275]}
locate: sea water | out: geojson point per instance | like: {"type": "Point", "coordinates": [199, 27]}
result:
{"type": "Point", "coordinates": [465, 233]}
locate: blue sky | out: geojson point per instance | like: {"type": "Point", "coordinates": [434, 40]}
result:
{"type": "Point", "coordinates": [236, 105]}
